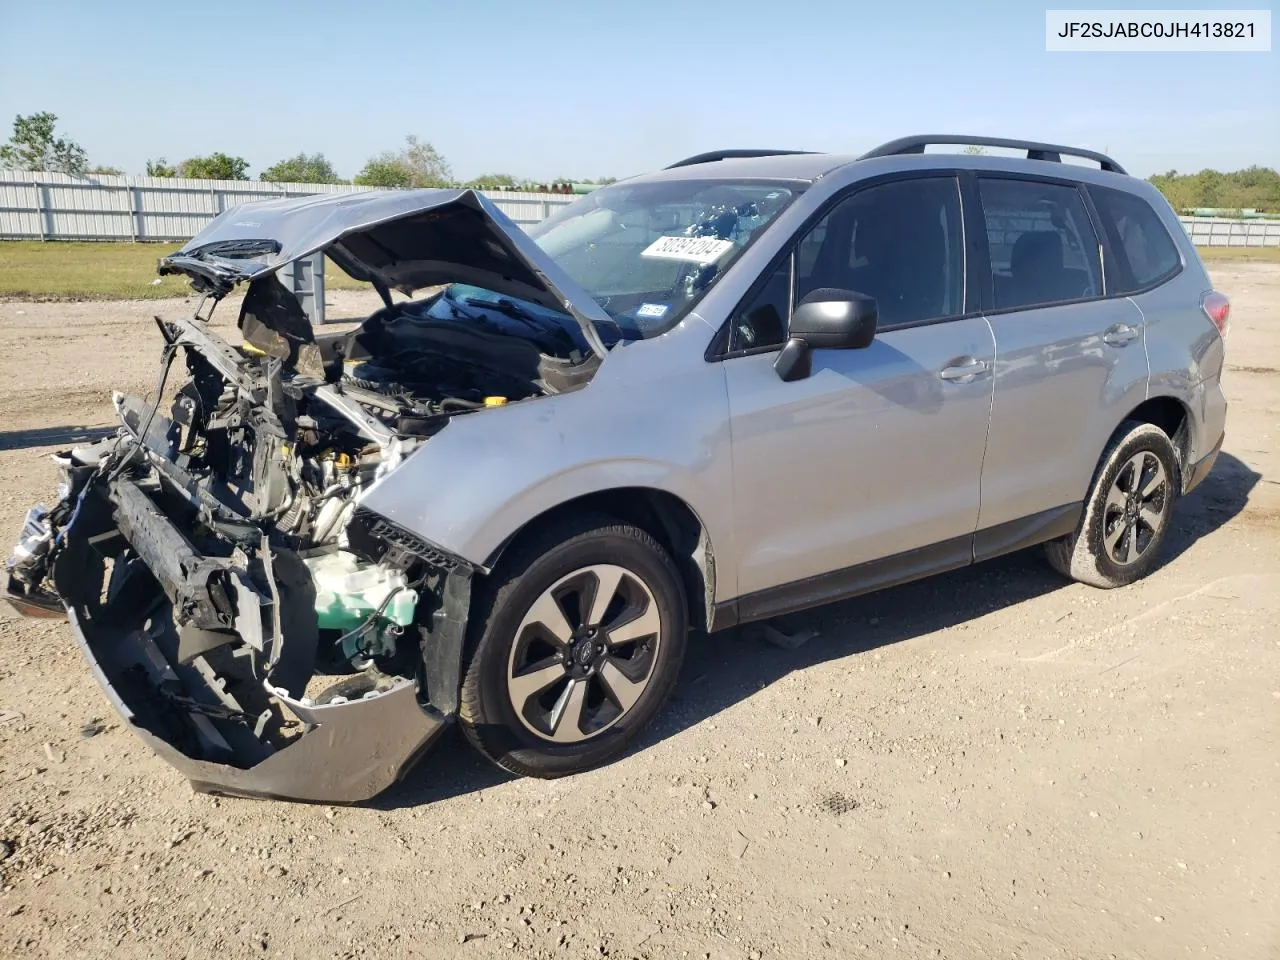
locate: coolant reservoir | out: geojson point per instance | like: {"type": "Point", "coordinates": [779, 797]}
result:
{"type": "Point", "coordinates": [349, 590]}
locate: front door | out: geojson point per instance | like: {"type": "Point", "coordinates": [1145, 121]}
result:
{"type": "Point", "coordinates": [878, 452]}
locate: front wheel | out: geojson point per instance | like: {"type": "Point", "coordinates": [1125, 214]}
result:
{"type": "Point", "coordinates": [579, 639]}
{"type": "Point", "coordinates": [1127, 511]}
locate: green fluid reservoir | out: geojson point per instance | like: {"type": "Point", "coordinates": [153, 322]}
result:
{"type": "Point", "coordinates": [349, 590]}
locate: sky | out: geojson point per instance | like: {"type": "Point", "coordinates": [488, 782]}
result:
{"type": "Point", "coordinates": [584, 90]}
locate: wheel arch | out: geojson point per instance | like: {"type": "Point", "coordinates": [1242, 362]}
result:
{"type": "Point", "coordinates": [666, 517]}
{"type": "Point", "coordinates": [1175, 419]}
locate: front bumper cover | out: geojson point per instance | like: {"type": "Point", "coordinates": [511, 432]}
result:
{"type": "Point", "coordinates": [352, 751]}
{"type": "Point", "coordinates": [138, 597]}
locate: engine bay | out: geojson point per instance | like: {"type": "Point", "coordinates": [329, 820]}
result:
{"type": "Point", "coordinates": [250, 619]}
{"type": "Point", "coordinates": [263, 447]}
{"type": "Point", "coordinates": [228, 509]}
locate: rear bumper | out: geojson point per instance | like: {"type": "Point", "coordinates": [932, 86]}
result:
{"type": "Point", "coordinates": [170, 654]}
{"type": "Point", "coordinates": [1201, 468]}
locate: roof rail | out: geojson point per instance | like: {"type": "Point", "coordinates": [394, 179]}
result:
{"type": "Point", "coordinates": [1035, 151]}
{"type": "Point", "coordinates": [732, 155]}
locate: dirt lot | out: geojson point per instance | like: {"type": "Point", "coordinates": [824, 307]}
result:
{"type": "Point", "coordinates": [989, 764]}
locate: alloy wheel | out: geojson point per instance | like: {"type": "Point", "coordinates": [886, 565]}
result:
{"type": "Point", "coordinates": [1134, 511]}
{"type": "Point", "coordinates": [584, 653]}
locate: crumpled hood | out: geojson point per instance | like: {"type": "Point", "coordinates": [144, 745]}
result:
{"type": "Point", "coordinates": [396, 239]}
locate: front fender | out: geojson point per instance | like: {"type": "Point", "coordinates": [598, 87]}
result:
{"type": "Point", "coordinates": [646, 420]}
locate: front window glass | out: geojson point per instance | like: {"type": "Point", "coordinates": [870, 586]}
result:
{"type": "Point", "coordinates": [901, 242]}
{"type": "Point", "coordinates": [647, 252]}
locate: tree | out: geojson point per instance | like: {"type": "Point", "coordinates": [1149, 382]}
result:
{"type": "Point", "coordinates": [216, 166]}
{"type": "Point", "coordinates": [160, 168]}
{"type": "Point", "coordinates": [429, 169]}
{"type": "Point", "coordinates": [34, 147]}
{"type": "Point", "coordinates": [417, 164]}
{"type": "Point", "coordinates": [494, 180]}
{"type": "Point", "coordinates": [384, 170]}
{"type": "Point", "coordinates": [302, 169]}
{"type": "Point", "coordinates": [974, 150]}
{"type": "Point", "coordinates": [103, 170]}
{"type": "Point", "coordinates": [1254, 188]}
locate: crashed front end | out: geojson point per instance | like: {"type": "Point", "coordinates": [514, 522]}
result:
{"type": "Point", "coordinates": [260, 628]}
{"type": "Point", "coordinates": [212, 630]}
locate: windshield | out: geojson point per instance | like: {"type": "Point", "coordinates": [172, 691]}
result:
{"type": "Point", "coordinates": [647, 252]}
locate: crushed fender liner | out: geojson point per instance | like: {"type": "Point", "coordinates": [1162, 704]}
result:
{"type": "Point", "coordinates": [165, 628]}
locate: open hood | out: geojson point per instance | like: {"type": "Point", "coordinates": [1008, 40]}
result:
{"type": "Point", "coordinates": [395, 239]}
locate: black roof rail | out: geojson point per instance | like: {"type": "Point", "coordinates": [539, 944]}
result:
{"type": "Point", "coordinates": [1035, 151]}
{"type": "Point", "coordinates": [732, 155]}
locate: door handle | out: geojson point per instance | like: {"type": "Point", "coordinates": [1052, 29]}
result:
{"type": "Point", "coordinates": [1119, 335]}
{"type": "Point", "coordinates": [964, 370]}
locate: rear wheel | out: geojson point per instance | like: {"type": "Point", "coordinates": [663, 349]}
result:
{"type": "Point", "coordinates": [1126, 515]}
{"type": "Point", "coordinates": [578, 644]}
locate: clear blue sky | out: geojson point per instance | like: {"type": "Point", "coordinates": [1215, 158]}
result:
{"type": "Point", "coordinates": [593, 89]}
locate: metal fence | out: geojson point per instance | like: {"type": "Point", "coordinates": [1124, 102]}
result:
{"type": "Point", "coordinates": [55, 206]}
{"type": "Point", "coordinates": [1224, 232]}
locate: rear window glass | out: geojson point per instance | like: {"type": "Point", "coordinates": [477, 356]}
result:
{"type": "Point", "coordinates": [1042, 245]}
{"type": "Point", "coordinates": [1142, 251]}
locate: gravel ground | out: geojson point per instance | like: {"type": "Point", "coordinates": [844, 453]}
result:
{"type": "Point", "coordinates": [992, 763]}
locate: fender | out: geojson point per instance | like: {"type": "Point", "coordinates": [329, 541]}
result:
{"type": "Point", "coordinates": [487, 474]}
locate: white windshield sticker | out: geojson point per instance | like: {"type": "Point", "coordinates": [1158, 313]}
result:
{"type": "Point", "coordinates": [703, 250]}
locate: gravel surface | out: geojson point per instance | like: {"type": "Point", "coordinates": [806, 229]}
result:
{"type": "Point", "coordinates": [992, 763]}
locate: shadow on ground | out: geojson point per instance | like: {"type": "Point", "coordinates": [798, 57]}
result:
{"type": "Point", "coordinates": [53, 436]}
{"type": "Point", "coordinates": [724, 668]}
{"type": "Point", "coordinates": [1219, 498]}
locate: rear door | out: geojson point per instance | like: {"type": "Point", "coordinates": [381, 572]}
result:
{"type": "Point", "coordinates": [1069, 362]}
{"type": "Point", "coordinates": [878, 452]}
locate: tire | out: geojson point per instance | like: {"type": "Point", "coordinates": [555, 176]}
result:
{"type": "Point", "coordinates": [1121, 534]}
{"type": "Point", "coordinates": [547, 695]}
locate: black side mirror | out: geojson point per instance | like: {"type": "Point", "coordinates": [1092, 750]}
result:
{"type": "Point", "coordinates": [828, 318]}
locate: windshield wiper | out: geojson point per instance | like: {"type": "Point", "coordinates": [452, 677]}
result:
{"type": "Point", "coordinates": [455, 308]}
{"type": "Point", "coordinates": [510, 308]}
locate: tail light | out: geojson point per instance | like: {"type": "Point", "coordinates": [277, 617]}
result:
{"type": "Point", "coordinates": [1217, 308]}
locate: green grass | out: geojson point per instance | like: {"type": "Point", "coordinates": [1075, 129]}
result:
{"type": "Point", "coordinates": [1258, 254]}
{"type": "Point", "coordinates": [60, 270]}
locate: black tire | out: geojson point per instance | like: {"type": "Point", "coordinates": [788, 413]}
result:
{"type": "Point", "coordinates": [504, 602]}
{"type": "Point", "coordinates": [1119, 522]}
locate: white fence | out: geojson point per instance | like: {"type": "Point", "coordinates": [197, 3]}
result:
{"type": "Point", "coordinates": [1223, 232]}
{"type": "Point", "coordinates": [54, 206]}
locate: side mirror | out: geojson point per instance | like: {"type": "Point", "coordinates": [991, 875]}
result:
{"type": "Point", "coordinates": [828, 318]}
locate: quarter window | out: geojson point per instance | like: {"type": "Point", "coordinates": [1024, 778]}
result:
{"type": "Point", "coordinates": [761, 319]}
{"type": "Point", "coordinates": [1141, 249]}
{"type": "Point", "coordinates": [1042, 245]}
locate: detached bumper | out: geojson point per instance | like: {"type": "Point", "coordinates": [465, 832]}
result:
{"type": "Point", "coordinates": [352, 751]}
{"type": "Point", "coordinates": [182, 653]}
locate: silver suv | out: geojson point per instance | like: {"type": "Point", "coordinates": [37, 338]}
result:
{"type": "Point", "coordinates": [751, 383]}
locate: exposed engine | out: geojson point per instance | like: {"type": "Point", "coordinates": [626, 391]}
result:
{"type": "Point", "coordinates": [277, 441]}
{"type": "Point", "coordinates": [266, 448]}
{"type": "Point", "coordinates": [215, 559]}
